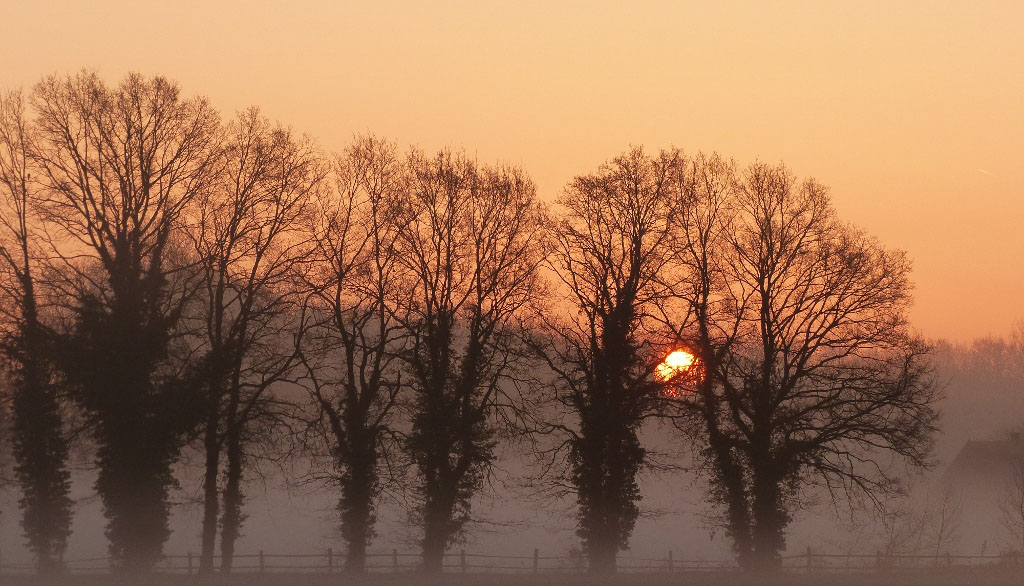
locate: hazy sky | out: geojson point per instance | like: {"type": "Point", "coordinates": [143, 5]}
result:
{"type": "Point", "coordinates": [913, 112]}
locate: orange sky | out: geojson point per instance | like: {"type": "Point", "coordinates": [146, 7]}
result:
{"type": "Point", "coordinates": [913, 112]}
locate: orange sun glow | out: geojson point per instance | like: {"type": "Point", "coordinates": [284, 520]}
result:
{"type": "Point", "coordinates": [677, 363]}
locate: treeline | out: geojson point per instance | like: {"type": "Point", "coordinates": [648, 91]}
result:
{"type": "Point", "coordinates": [983, 380]}
{"type": "Point", "coordinates": [172, 278]}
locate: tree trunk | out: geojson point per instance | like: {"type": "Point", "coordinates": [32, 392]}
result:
{"type": "Point", "coordinates": [232, 522]}
{"type": "Point", "coordinates": [358, 489]}
{"type": "Point", "coordinates": [135, 453]}
{"type": "Point", "coordinates": [602, 552]}
{"type": "Point", "coordinates": [729, 478]}
{"type": "Point", "coordinates": [211, 496]}
{"type": "Point", "coordinates": [357, 517]}
{"type": "Point", "coordinates": [769, 518]}
{"type": "Point", "coordinates": [133, 488]}
{"type": "Point", "coordinates": [606, 458]}
{"type": "Point", "coordinates": [435, 535]}
{"type": "Point", "coordinates": [355, 561]}
{"type": "Point", "coordinates": [433, 555]}
{"type": "Point", "coordinates": [598, 519]}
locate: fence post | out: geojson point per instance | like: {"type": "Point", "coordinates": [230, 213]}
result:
{"type": "Point", "coordinates": [261, 561]}
{"type": "Point", "coordinates": [462, 560]}
{"type": "Point", "coordinates": [536, 559]}
{"type": "Point", "coordinates": [330, 560]}
{"type": "Point", "coordinates": [190, 563]}
{"type": "Point", "coordinates": [808, 559]}
{"type": "Point", "coordinates": [394, 560]}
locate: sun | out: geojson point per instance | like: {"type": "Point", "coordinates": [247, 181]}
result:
{"type": "Point", "coordinates": [679, 368]}
{"type": "Point", "coordinates": [676, 363]}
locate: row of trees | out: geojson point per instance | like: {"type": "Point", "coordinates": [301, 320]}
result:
{"type": "Point", "coordinates": [172, 279]}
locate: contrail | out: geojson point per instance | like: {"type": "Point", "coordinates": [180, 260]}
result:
{"type": "Point", "coordinates": [985, 172]}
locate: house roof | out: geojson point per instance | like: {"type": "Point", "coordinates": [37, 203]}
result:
{"type": "Point", "coordinates": [990, 463]}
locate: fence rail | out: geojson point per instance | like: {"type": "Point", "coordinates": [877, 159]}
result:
{"type": "Point", "coordinates": [394, 561]}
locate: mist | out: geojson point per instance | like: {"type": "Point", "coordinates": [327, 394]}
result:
{"type": "Point", "coordinates": [983, 381]}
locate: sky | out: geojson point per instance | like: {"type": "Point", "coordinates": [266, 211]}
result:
{"type": "Point", "coordinates": [912, 112]}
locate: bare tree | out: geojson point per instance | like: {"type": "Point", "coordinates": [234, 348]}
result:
{"type": "Point", "coordinates": [353, 341]}
{"type": "Point", "coordinates": [40, 445]}
{"type": "Point", "coordinates": [1011, 507]}
{"type": "Point", "coordinates": [472, 241]}
{"type": "Point", "coordinates": [808, 370]}
{"type": "Point", "coordinates": [119, 167]}
{"type": "Point", "coordinates": [907, 529]}
{"type": "Point", "coordinates": [901, 530]}
{"type": "Point", "coordinates": [249, 239]}
{"type": "Point", "coordinates": [611, 246]}
{"type": "Point", "coordinates": [944, 519]}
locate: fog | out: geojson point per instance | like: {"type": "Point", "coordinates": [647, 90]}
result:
{"type": "Point", "coordinates": [984, 402]}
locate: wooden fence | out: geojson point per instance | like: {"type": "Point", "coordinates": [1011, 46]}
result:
{"type": "Point", "coordinates": [394, 561]}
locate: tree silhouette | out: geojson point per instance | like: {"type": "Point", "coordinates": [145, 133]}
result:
{"type": "Point", "coordinates": [352, 342]}
{"type": "Point", "coordinates": [249, 241]}
{"type": "Point", "coordinates": [810, 373]}
{"type": "Point", "coordinates": [470, 247]}
{"type": "Point", "coordinates": [39, 442]}
{"type": "Point", "coordinates": [119, 167]}
{"type": "Point", "coordinates": [609, 254]}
